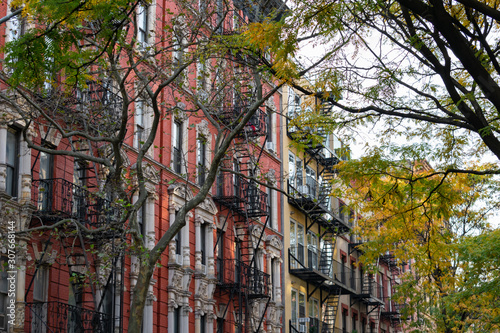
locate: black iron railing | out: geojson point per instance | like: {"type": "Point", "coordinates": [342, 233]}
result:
{"type": "Point", "coordinates": [235, 273]}
{"type": "Point", "coordinates": [311, 189]}
{"type": "Point", "coordinates": [392, 309]}
{"type": "Point", "coordinates": [241, 195]}
{"type": "Point", "coordinates": [59, 198]}
{"type": "Point", "coordinates": [42, 317]}
{"type": "Point", "coordinates": [316, 259]}
{"type": "Point", "coordinates": [256, 125]}
{"type": "Point", "coordinates": [370, 288]}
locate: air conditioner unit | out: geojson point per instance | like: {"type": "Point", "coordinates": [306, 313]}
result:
{"type": "Point", "coordinates": [302, 328]}
{"type": "Point", "coordinates": [271, 146]}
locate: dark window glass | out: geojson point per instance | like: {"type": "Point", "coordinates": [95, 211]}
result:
{"type": "Point", "coordinates": [12, 160]}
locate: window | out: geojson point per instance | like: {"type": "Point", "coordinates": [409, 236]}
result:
{"type": "Point", "coordinates": [46, 182]}
{"type": "Point", "coordinates": [382, 286]}
{"type": "Point", "coordinates": [79, 179]}
{"type": "Point", "coordinates": [344, 321]}
{"type": "Point", "coordinates": [50, 74]}
{"type": "Point", "coordinates": [178, 44]}
{"type": "Point", "coordinates": [177, 320]}
{"type": "Point", "coordinates": [353, 323]}
{"type": "Point", "coordinates": [270, 115]}
{"type": "Point", "coordinates": [297, 243]}
{"type": "Point", "coordinates": [295, 171]}
{"type": "Point", "coordinates": [270, 206]}
{"type": "Point", "coordinates": [313, 308]}
{"type": "Point", "coordinates": [220, 325]}
{"type": "Point", "coordinates": [4, 325]}
{"type": "Point", "coordinates": [142, 24]}
{"type": "Point", "coordinates": [312, 250]}
{"type": "Point", "coordinates": [141, 219]}
{"type": "Point", "coordinates": [203, 323]}
{"type": "Point", "coordinates": [236, 179]}
{"type": "Point", "coordinates": [313, 315]}
{"type": "Point", "coordinates": [353, 275]}
{"type": "Point", "coordinates": [139, 124]}
{"type": "Point", "coordinates": [294, 305]}
{"type": "Point", "coordinates": [40, 288]}
{"type": "Point", "coordinates": [298, 302]}
{"type": "Point", "coordinates": [342, 269]}
{"type": "Point", "coordinates": [12, 161]}
{"type": "Point", "coordinates": [75, 323]}
{"type": "Point", "coordinates": [203, 245]}
{"type": "Point", "coordinates": [311, 183]}
{"type": "Point", "coordinates": [274, 276]}
{"type": "Point", "coordinates": [201, 160]}
{"type": "Point", "coordinates": [293, 104]}
{"type": "Point", "coordinates": [17, 27]}
{"type": "Point", "coordinates": [220, 254]}
{"type": "Point", "coordinates": [178, 242]}
{"type": "Point", "coordinates": [202, 75]}
{"type": "Point", "coordinates": [302, 305]}
{"type": "Point", "coordinates": [177, 146]}
{"type": "Point", "coordinates": [220, 16]}
{"type": "Point", "coordinates": [202, 5]}
{"type": "Point", "coordinates": [237, 261]}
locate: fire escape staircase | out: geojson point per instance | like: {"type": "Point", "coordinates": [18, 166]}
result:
{"type": "Point", "coordinates": [331, 303]}
{"type": "Point", "coordinates": [246, 204]}
{"type": "Point", "coordinates": [58, 199]}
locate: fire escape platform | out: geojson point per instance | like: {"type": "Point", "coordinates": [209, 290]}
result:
{"type": "Point", "coordinates": [318, 213]}
{"type": "Point", "coordinates": [56, 199]}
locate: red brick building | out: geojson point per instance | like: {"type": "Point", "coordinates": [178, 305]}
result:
{"type": "Point", "coordinates": [221, 273]}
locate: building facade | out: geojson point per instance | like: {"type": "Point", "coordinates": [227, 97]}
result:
{"type": "Point", "coordinates": [327, 289]}
{"type": "Point", "coordinates": [221, 273]}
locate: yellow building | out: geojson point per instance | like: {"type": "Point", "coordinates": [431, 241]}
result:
{"type": "Point", "coordinates": [325, 288]}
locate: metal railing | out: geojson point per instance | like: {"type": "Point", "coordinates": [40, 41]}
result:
{"type": "Point", "coordinates": [324, 264]}
{"type": "Point", "coordinates": [63, 199]}
{"type": "Point", "coordinates": [42, 317]}
{"type": "Point", "coordinates": [235, 273]}
{"type": "Point", "coordinates": [371, 288]}
{"type": "Point", "coordinates": [312, 189]}
{"type": "Point", "coordinates": [312, 326]}
{"type": "Point", "coordinates": [392, 308]}
{"type": "Point", "coordinates": [256, 125]}
{"type": "Point", "coordinates": [241, 195]}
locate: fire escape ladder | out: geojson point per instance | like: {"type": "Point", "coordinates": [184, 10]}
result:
{"type": "Point", "coordinates": [326, 258]}
{"type": "Point", "coordinates": [330, 314]}
{"type": "Point", "coordinates": [373, 317]}
{"type": "Point", "coordinates": [74, 258]}
{"type": "Point", "coordinates": [263, 315]}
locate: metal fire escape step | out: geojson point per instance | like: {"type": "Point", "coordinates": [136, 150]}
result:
{"type": "Point", "coordinates": [330, 315]}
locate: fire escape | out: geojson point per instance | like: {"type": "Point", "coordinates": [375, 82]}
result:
{"type": "Point", "coordinates": [312, 197]}
{"type": "Point", "coordinates": [392, 310]}
{"type": "Point", "coordinates": [243, 205]}
{"type": "Point", "coordinates": [241, 278]}
{"type": "Point", "coordinates": [91, 308]}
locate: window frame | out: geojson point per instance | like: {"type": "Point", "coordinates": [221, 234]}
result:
{"type": "Point", "coordinates": [201, 162]}
{"type": "Point", "coordinates": [177, 146]}
{"type": "Point", "coordinates": [12, 180]}
{"type": "Point", "coordinates": [143, 24]}
{"type": "Point", "coordinates": [140, 124]}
